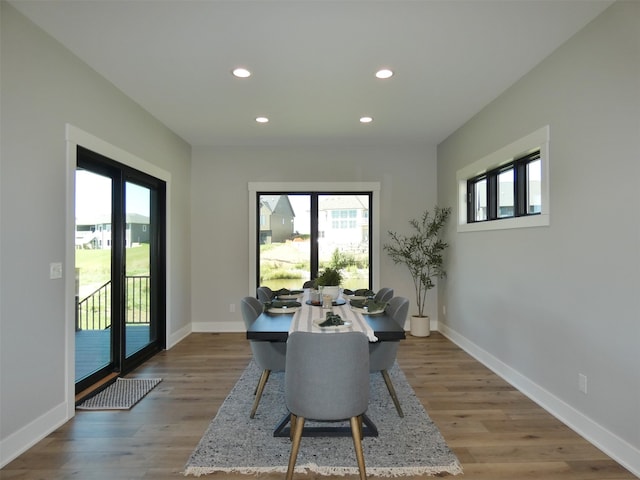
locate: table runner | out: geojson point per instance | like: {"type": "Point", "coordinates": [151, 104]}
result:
{"type": "Point", "coordinates": [303, 320]}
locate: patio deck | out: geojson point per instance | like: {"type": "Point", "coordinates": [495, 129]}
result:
{"type": "Point", "coordinates": [93, 347]}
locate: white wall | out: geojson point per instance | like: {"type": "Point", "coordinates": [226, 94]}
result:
{"type": "Point", "coordinates": [542, 305]}
{"type": "Point", "coordinates": [44, 87]}
{"type": "Point", "coordinates": [220, 232]}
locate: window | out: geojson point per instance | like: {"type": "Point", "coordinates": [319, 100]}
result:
{"type": "Point", "coordinates": [326, 224]}
{"type": "Point", "coordinates": [508, 188]}
{"type": "Point", "coordinates": [511, 190]}
{"type": "Point", "coordinates": [317, 232]}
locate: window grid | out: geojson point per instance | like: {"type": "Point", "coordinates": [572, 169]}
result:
{"type": "Point", "coordinates": [511, 190]}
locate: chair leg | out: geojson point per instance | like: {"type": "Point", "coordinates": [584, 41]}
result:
{"type": "Point", "coordinates": [263, 381]}
{"type": "Point", "coordinates": [292, 425]}
{"type": "Point", "coordinates": [295, 445]}
{"type": "Point", "coordinates": [392, 392]}
{"type": "Point", "coordinates": [356, 433]}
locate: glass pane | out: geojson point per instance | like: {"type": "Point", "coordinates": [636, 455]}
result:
{"type": "Point", "coordinates": [93, 242]}
{"type": "Point", "coordinates": [534, 177]}
{"type": "Point", "coordinates": [343, 237]}
{"type": "Point", "coordinates": [506, 205]}
{"type": "Point", "coordinates": [480, 200]}
{"type": "Point", "coordinates": [138, 331]}
{"type": "Point", "coordinates": [285, 248]}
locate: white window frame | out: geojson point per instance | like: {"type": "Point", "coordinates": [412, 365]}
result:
{"type": "Point", "coordinates": [538, 140]}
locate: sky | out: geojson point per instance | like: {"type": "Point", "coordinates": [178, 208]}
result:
{"type": "Point", "coordinates": [93, 196]}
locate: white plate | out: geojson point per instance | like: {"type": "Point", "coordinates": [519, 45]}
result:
{"type": "Point", "coordinates": [367, 312]}
{"type": "Point", "coordinates": [318, 321]}
{"type": "Point", "coordinates": [290, 296]}
{"type": "Point", "coordinates": [283, 310]}
{"type": "Point", "coordinates": [354, 297]}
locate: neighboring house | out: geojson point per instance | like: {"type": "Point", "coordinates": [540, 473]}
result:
{"type": "Point", "coordinates": [276, 219]}
{"type": "Point", "coordinates": [343, 220]}
{"type": "Point", "coordinates": [96, 233]}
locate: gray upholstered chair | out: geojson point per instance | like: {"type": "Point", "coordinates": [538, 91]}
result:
{"type": "Point", "coordinates": [309, 284]}
{"type": "Point", "coordinates": [384, 295]}
{"type": "Point", "coordinates": [265, 294]}
{"type": "Point", "coordinates": [270, 356]}
{"type": "Point", "coordinates": [327, 379]}
{"type": "Point", "coordinates": [382, 355]}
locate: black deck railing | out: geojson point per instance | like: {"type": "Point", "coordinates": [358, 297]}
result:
{"type": "Point", "coordinates": [94, 311]}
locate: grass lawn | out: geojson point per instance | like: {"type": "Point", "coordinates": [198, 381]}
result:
{"type": "Point", "coordinates": [94, 266]}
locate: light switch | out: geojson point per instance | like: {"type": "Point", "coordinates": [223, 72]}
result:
{"type": "Point", "coordinates": [55, 270]}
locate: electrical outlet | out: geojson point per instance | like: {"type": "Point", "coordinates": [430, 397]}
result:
{"type": "Point", "coordinates": [582, 383]}
{"type": "Point", "coordinates": [232, 308]}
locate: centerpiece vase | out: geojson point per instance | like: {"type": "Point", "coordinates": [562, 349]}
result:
{"type": "Point", "coordinates": [334, 291]}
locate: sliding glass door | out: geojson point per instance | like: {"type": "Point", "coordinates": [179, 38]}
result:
{"type": "Point", "coordinates": [120, 264]}
{"type": "Point", "coordinates": [300, 234]}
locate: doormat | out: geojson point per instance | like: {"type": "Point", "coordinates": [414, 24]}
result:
{"type": "Point", "coordinates": [123, 394]}
{"type": "Point", "coordinates": [408, 446]}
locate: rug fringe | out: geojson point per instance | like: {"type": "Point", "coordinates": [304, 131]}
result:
{"type": "Point", "coordinates": [334, 471]}
{"type": "Point", "coordinates": [398, 471]}
{"type": "Point", "coordinates": [199, 471]}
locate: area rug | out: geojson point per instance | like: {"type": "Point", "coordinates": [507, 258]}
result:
{"type": "Point", "coordinates": [406, 446]}
{"type": "Point", "coordinates": [123, 394]}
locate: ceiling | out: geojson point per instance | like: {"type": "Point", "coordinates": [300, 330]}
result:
{"type": "Point", "coordinates": [312, 61]}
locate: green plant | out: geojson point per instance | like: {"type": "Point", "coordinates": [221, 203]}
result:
{"type": "Point", "coordinates": [329, 277]}
{"type": "Point", "coordinates": [422, 252]}
{"type": "Point", "coordinates": [341, 260]}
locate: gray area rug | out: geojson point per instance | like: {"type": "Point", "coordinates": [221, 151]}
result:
{"type": "Point", "coordinates": [405, 446]}
{"type": "Point", "coordinates": [123, 394]}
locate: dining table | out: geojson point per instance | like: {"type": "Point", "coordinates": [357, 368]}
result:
{"type": "Point", "coordinates": [275, 324]}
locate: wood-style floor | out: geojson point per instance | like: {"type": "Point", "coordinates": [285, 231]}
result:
{"type": "Point", "coordinates": [496, 432]}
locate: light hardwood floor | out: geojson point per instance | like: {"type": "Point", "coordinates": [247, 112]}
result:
{"type": "Point", "coordinates": [496, 432]}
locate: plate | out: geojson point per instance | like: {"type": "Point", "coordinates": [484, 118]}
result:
{"type": "Point", "coordinates": [354, 297]}
{"type": "Point", "coordinates": [335, 303]}
{"type": "Point", "coordinates": [283, 309]}
{"type": "Point", "coordinates": [318, 321]}
{"type": "Point", "coordinates": [290, 296]}
{"type": "Point", "coordinates": [366, 311]}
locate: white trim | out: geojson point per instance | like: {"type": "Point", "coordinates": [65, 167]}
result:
{"type": "Point", "coordinates": [19, 442]}
{"type": "Point", "coordinates": [617, 448]}
{"type": "Point", "coordinates": [177, 337]}
{"type": "Point", "coordinates": [218, 327]}
{"type": "Point", "coordinates": [374, 187]}
{"type": "Point", "coordinates": [538, 140]}
{"type": "Point", "coordinates": [74, 137]}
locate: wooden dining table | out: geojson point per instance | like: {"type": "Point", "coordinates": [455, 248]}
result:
{"type": "Point", "coordinates": [275, 327]}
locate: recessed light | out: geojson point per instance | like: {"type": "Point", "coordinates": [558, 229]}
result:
{"type": "Point", "coordinates": [366, 119]}
{"type": "Point", "coordinates": [262, 119]}
{"type": "Point", "coordinates": [241, 72]}
{"type": "Point", "coordinates": [384, 73]}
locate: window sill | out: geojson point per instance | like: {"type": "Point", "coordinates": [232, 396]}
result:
{"type": "Point", "coordinates": [542, 220]}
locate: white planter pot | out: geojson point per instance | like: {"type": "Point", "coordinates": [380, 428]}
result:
{"type": "Point", "coordinates": [333, 291]}
{"type": "Point", "coordinates": [420, 326]}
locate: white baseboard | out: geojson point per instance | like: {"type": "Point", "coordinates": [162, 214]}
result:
{"type": "Point", "coordinates": [618, 449]}
{"type": "Point", "coordinates": [177, 337]}
{"type": "Point", "coordinates": [217, 327]}
{"type": "Point", "coordinates": [19, 442]}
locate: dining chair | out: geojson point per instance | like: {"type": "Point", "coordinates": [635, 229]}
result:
{"type": "Point", "coordinates": [270, 356]}
{"type": "Point", "coordinates": [265, 294]}
{"type": "Point", "coordinates": [327, 379]}
{"type": "Point", "coordinates": [382, 355]}
{"type": "Point", "coordinates": [384, 295]}
{"type": "Point", "coordinates": [309, 284]}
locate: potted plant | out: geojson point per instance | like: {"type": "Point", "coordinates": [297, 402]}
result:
{"type": "Point", "coordinates": [329, 282]}
{"type": "Point", "coordinates": [422, 253]}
